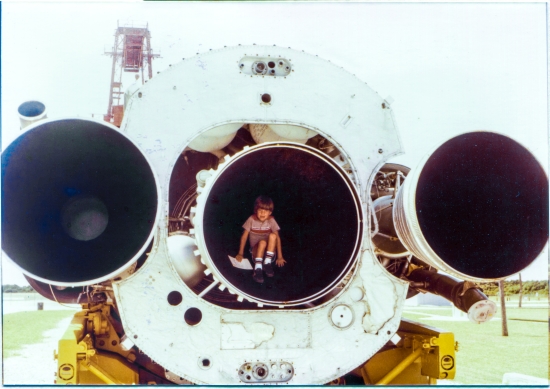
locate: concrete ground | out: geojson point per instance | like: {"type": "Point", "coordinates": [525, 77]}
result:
{"type": "Point", "coordinates": [35, 364]}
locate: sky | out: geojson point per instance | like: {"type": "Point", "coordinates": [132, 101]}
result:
{"type": "Point", "coordinates": [450, 68]}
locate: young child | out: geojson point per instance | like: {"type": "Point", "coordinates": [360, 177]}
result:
{"type": "Point", "coordinates": [263, 231]}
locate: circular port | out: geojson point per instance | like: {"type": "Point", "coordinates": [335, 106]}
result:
{"type": "Point", "coordinates": [341, 316]}
{"type": "Point", "coordinates": [311, 196]}
{"type": "Point", "coordinates": [260, 371]}
{"type": "Point", "coordinates": [175, 298]}
{"type": "Point", "coordinates": [204, 362]}
{"type": "Point", "coordinates": [193, 316]}
{"type": "Point", "coordinates": [259, 67]}
{"type": "Point", "coordinates": [266, 98]}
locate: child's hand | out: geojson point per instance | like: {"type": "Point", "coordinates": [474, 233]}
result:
{"type": "Point", "coordinates": [239, 257]}
{"type": "Point", "coordinates": [280, 262]}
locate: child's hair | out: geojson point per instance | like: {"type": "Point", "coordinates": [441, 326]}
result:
{"type": "Point", "coordinates": [263, 202]}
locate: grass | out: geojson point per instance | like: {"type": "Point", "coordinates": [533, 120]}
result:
{"type": "Point", "coordinates": [525, 314]}
{"type": "Point", "coordinates": [25, 328]}
{"type": "Point", "coordinates": [485, 355]}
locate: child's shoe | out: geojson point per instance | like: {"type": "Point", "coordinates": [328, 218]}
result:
{"type": "Point", "coordinates": [268, 269]}
{"type": "Point", "coordinates": [258, 276]}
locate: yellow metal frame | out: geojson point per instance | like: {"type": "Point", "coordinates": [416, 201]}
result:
{"type": "Point", "coordinates": [90, 353]}
{"type": "Point", "coordinates": [80, 362]}
{"type": "Point", "coordinates": [423, 355]}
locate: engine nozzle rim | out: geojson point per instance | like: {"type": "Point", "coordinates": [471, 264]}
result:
{"type": "Point", "coordinates": [218, 275]}
{"type": "Point", "coordinates": [154, 222]}
{"type": "Point", "coordinates": [406, 218]}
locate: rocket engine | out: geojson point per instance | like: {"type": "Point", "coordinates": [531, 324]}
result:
{"type": "Point", "coordinates": [80, 202]}
{"type": "Point", "coordinates": [144, 219]}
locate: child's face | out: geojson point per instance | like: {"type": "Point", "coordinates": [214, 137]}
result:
{"type": "Point", "coordinates": [262, 214]}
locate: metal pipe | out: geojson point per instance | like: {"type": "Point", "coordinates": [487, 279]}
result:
{"type": "Point", "coordinates": [210, 287]}
{"type": "Point", "coordinates": [102, 376]}
{"type": "Point", "coordinates": [31, 112]}
{"type": "Point", "coordinates": [390, 255]}
{"type": "Point", "coordinates": [464, 295]}
{"type": "Point", "coordinates": [374, 218]}
{"type": "Point", "coordinates": [399, 368]}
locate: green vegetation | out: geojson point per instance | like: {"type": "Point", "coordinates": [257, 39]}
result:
{"type": "Point", "coordinates": [25, 328]}
{"type": "Point", "coordinates": [12, 288]}
{"type": "Point", "coordinates": [485, 355]}
{"type": "Point", "coordinates": [512, 287]}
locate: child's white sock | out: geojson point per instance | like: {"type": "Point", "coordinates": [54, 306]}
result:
{"type": "Point", "coordinates": [258, 264]}
{"type": "Point", "coordinates": [268, 257]}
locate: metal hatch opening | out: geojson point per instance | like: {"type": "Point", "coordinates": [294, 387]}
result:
{"type": "Point", "coordinates": [316, 207]}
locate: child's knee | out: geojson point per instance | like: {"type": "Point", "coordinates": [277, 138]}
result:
{"type": "Point", "coordinates": [272, 237]}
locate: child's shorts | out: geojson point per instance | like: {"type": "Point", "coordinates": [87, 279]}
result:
{"type": "Point", "coordinates": [256, 238]}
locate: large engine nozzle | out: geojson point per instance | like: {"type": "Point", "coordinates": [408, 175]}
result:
{"type": "Point", "coordinates": [477, 208]}
{"type": "Point", "coordinates": [79, 202]}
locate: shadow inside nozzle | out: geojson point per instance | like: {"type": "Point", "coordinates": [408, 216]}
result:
{"type": "Point", "coordinates": [84, 217]}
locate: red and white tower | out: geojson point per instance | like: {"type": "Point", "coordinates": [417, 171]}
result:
{"type": "Point", "coordinates": [131, 53]}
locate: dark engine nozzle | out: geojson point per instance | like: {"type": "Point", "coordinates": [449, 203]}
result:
{"type": "Point", "coordinates": [476, 208]}
{"type": "Point", "coordinates": [79, 202]}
